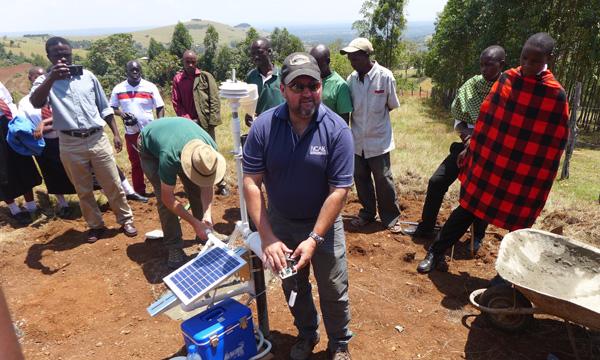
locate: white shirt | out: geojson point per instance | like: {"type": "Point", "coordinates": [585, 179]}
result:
{"type": "Point", "coordinates": [5, 95]}
{"type": "Point", "coordinates": [373, 99]}
{"type": "Point", "coordinates": [139, 100]}
{"type": "Point", "coordinates": [34, 115]}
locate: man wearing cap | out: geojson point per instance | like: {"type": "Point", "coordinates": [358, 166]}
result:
{"type": "Point", "coordinates": [171, 147]}
{"type": "Point", "coordinates": [302, 151]}
{"type": "Point", "coordinates": [373, 90]}
{"type": "Point", "coordinates": [336, 94]}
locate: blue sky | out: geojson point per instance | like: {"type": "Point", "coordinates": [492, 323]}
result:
{"type": "Point", "coordinates": [48, 15]}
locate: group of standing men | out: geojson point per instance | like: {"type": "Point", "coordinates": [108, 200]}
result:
{"type": "Point", "coordinates": [301, 149]}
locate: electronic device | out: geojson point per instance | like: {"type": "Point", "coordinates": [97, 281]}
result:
{"type": "Point", "coordinates": [289, 269]}
{"type": "Point", "coordinates": [76, 70]}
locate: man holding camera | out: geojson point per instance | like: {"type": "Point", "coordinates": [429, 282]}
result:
{"type": "Point", "coordinates": [303, 152]}
{"type": "Point", "coordinates": [136, 98]}
{"type": "Point", "coordinates": [80, 111]}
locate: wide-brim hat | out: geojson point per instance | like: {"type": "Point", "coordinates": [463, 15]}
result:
{"type": "Point", "coordinates": [202, 164]}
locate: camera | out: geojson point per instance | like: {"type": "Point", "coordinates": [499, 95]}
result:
{"type": "Point", "coordinates": [75, 70]}
{"type": "Point", "coordinates": [129, 119]}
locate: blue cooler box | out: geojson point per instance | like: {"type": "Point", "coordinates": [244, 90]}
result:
{"type": "Point", "coordinates": [223, 332]}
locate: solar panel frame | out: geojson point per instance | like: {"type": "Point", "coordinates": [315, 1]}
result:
{"type": "Point", "coordinates": [201, 274]}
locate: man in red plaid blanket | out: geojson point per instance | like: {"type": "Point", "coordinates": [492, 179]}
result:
{"type": "Point", "coordinates": [509, 166]}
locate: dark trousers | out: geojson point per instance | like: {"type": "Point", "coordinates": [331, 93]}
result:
{"type": "Point", "coordinates": [437, 187]}
{"type": "Point", "coordinates": [455, 227]}
{"type": "Point", "coordinates": [382, 196]}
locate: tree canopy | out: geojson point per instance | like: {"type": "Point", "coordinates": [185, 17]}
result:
{"type": "Point", "coordinates": [466, 27]}
{"type": "Point", "coordinates": [181, 40]}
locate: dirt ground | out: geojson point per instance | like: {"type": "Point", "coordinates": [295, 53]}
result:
{"type": "Point", "coordinates": [74, 300]}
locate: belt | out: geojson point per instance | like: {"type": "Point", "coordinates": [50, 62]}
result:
{"type": "Point", "coordinates": [81, 133]}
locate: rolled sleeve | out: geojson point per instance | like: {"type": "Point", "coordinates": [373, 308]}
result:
{"type": "Point", "coordinates": [254, 150]}
{"type": "Point", "coordinates": [101, 102]}
{"type": "Point", "coordinates": [341, 161]}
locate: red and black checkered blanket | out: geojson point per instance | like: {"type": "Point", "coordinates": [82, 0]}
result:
{"type": "Point", "coordinates": [515, 149]}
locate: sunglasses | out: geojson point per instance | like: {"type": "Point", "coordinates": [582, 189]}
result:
{"type": "Point", "coordinates": [299, 88]}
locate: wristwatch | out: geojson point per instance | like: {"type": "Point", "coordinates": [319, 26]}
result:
{"type": "Point", "coordinates": [317, 238]}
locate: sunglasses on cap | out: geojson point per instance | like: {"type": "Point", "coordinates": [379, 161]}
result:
{"type": "Point", "coordinates": [299, 88]}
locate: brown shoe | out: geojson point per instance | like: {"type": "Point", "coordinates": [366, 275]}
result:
{"type": "Point", "coordinates": [129, 230]}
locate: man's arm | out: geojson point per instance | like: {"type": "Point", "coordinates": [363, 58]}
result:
{"type": "Point", "coordinates": [274, 250]}
{"type": "Point", "coordinates": [117, 111]}
{"type": "Point", "coordinates": [329, 212]}
{"type": "Point", "coordinates": [167, 197]}
{"type": "Point", "coordinates": [118, 142]}
{"type": "Point", "coordinates": [39, 96]}
{"type": "Point", "coordinates": [176, 99]}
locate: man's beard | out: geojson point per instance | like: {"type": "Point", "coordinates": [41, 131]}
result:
{"type": "Point", "coordinates": [307, 112]}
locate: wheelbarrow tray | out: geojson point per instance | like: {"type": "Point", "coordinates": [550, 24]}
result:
{"type": "Point", "coordinates": [560, 276]}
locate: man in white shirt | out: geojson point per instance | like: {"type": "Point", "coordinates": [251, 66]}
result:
{"type": "Point", "coordinates": [136, 98]}
{"type": "Point", "coordinates": [373, 90]}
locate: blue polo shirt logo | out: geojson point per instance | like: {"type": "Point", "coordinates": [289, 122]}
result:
{"type": "Point", "coordinates": [318, 150]}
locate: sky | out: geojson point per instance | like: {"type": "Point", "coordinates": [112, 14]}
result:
{"type": "Point", "coordinates": [49, 15]}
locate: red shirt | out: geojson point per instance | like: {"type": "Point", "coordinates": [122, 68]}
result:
{"type": "Point", "coordinates": [182, 95]}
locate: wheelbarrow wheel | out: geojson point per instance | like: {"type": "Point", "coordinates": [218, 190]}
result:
{"type": "Point", "coordinates": [505, 297]}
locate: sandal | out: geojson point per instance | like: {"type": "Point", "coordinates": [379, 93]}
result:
{"type": "Point", "coordinates": [359, 222]}
{"type": "Point", "coordinates": [396, 228]}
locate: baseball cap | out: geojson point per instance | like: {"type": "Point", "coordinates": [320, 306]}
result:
{"type": "Point", "coordinates": [356, 45]}
{"type": "Point", "coordinates": [297, 64]}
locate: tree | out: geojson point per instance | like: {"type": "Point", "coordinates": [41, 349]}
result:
{"type": "Point", "coordinates": [244, 62]}
{"type": "Point", "coordinates": [161, 69]}
{"type": "Point", "coordinates": [154, 49]}
{"type": "Point", "coordinates": [227, 59]}
{"type": "Point", "coordinates": [339, 63]}
{"type": "Point", "coordinates": [383, 22]}
{"type": "Point", "coordinates": [180, 41]}
{"type": "Point", "coordinates": [211, 42]}
{"type": "Point", "coordinates": [284, 43]}
{"type": "Point", "coordinates": [107, 58]}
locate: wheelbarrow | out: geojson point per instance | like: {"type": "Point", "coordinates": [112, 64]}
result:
{"type": "Point", "coordinates": [544, 273]}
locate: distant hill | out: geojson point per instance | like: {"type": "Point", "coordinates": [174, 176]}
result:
{"type": "Point", "coordinates": [34, 43]}
{"type": "Point", "coordinates": [196, 27]}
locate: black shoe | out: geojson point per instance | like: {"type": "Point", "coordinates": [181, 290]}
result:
{"type": "Point", "coordinates": [23, 218]}
{"type": "Point", "coordinates": [147, 194]}
{"type": "Point", "coordinates": [94, 235]}
{"type": "Point", "coordinates": [222, 190]}
{"type": "Point", "coordinates": [136, 197]}
{"type": "Point", "coordinates": [430, 262]}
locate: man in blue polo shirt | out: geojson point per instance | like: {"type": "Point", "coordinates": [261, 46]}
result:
{"type": "Point", "coordinates": [304, 154]}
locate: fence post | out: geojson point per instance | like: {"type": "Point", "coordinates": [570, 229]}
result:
{"type": "Point", "coordinates": [419, 91]}
{"type": "Point", "coordinates": [572, 133]}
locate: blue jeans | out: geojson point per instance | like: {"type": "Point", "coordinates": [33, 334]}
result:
{"type": "Point", "coordinates": [331, 272]}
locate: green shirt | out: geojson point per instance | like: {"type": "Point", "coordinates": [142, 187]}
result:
{"type": "Point", "coordinates": [165, 138]}
{"type": "Point", "coordinates": [469, 98]}
{"type": "Point", "coordinates": [269, 93]}
{"type": "Point", "coordinates": [336, 94]}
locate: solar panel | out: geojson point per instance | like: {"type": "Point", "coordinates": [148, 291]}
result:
{"type": "Point", "coordinates": [203, 273]}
